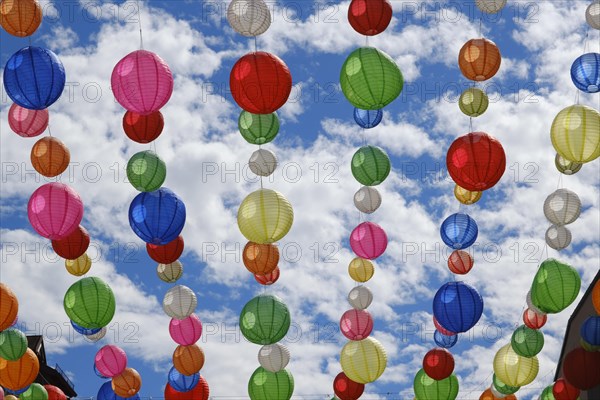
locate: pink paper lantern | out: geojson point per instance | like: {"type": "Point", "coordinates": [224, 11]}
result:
{"type": "Point", "coordinates": [186, 331]}
{"type": "Point", "coordinates": [441, 329]}
{"type": "Point", "coordinates": [368, 240]}
{"type": "Point", "coordinates": [110, 360]}
{"type": "Point", "coordinates": [27, 123]}
{"type": "Point", "coordinates": [55, 210]}
{"type": "Point", "coordinates": [142, 82]}
{"type": "Point", "coordinates": [356, 324]}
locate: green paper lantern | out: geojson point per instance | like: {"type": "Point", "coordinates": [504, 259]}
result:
{"type": "Point", "coordinates": [527, 342]}
{"type": "Point", "coordinates": [35, 392]}
{"type": "Point", "coordinates": [503, 387]}
{"type": "Point", "coordinates": [13, 344]}
{"type": "Point", "coordinates": [266, 385]}
{"type": "Point", "coordinates": [258, 128]}
{"type": "Point", "coordinates": [146, 171]}
{"type": "Point", "coordinates": [370, 165]}
{"type": "Point", "coordinates": [555, 286]}
{"type": "Point", "coordinates": [265, 319]}
{"type": "Point", "coordinates": [370, 79]}
{"type": "Point", "coordinates": [473, 102]}
{"type": "Point", "coordinates": [90, 303]}
{"type": "Point", "coordinates": [428, 388]}
{"type": "Point", "coordinates": [547, 393]}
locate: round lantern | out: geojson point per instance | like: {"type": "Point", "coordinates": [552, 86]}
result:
{"type": "Point", "coordinates": [269, 278]}
{"type": "Point", "coordinates": [142, 82]}
{"type": "Point", "coordinates": [596, 297]}
{"type": "Point", "coordinates": [367, 119]}
{"type": "Point", "coordinates": [565, 166]}
{"type": "Point", "coordinates": [171, 272]}
{"type": "Point", "coordinates": [582, 368]}
{"type": "Point", "coordinates": [74, 245]}
{"type": "Point", "coordinates": [426, 387]}
{"type": "Point", "coordinates": [370, 79]}
{"type": "Point", "coordinates": [260, 82]}
{"type": "Point", "coordinates": [490, 6]}
{"type": "Point", "coordinates": [555, 286]}
{"type": "Point", "coordinates": [182, 383]}
{"type": "Point", "coordinates": [356, 324]}
{"type": "Point", "coordinates": [188, 359]}
{"type": "Point", "coordinates": [79, 266]}
{"type": "Point", "coordinates": [590, 330]}
{"type": "Point", "coordinates": [459, 231]}
{"type": "Point", "coordinates": [96, 336]}
{"type": "Point", "coordinates": [21, 373]}
{"type": "Point", "coordinates": [274, 357]}
{"type": "Point", "coordinates": [20, 17]}
{"type": "Point", "coordinates": [363, 361]}
{"type": "Point", "coordinates": [157, 217]}
{"type": "Point", "coordinates": [465, 196]}
{"type": "Point", "coordinates": [473, 102]}
{"type": "Point", "coordinates": [361, 270]}
{"type": "Point", "coordinates": [457, 306]}
{"type": "Point", "coordinates": [585, 72]}
{"type": "Point", "coordinates": [146, 171]}
{"type": "Point", "coordinates": [258, 128]}
{"type": "Point", "coordinates": [502, 387]}
{"type": "Point", "coordinates": [476, 161]}
{"type": "Point", "coordinates": [513, 369]}
{"type": "Point", "coordinates": [265, 320]}
{"type": "Point", "coordinates": [143, 128]}
{"type": "Point", "coordinates": [445, 341]}
{"type": "Point", "coordinates": [460, 262]}
{"type": "Point", "coordinates": [179, 302]}
{"type": "Point", "coordinates": [34, 392]}
{"type": "Point", "coordinates": [563, 390]}
{"type": "Point", "coordinates": [27, 123]}
{"type": "Point", "coordinates": [562, 207]}
{"type": "Point", "coordinates": [346, 389]}
{"type": "Point", "coordinates": [55, 393]}
{"type": "Point", "coordinates": [527, 342]}
{"type": "Point", "coordinates": [34, 78]}
{"type": "Point", "coordinates": [533, 319]}
{"type": "Point", "coordinates": [110, 360]}
{"type": "Point", "coordinates": [55, 210]}
{"type": "Point", "coordinates": [438, 364]}
{"type": "Point", "coordinates": [50, 157]}
{"type": "Point", "coordinates": [369, 17]}
{"type": "Point", "coordinates": [532, 306]}
{"type": "Point", "coordinates": [368, 240]}
{"type": "Point", "coordinates": [127, 384]}
{"type": "Point", "coordinates": [488, 394]}
{"type": "Point", "coordinates": [479, 59]}
{"type": "Point", "coordinates": [84, 331]}
{"type": "Point", "coordinates": [592, 15]}
{"type": "Point", "coordinates": [440, 328]}
{"type": "Point", "coordinates": [200, 392]}
{"type": "Point", "coordinates": [260, 259]}
{"type": "Point", "coordinates": [265, 385]}
{"type": "Point", "coordinates": [249, 17]}
{"type": "Point", "coordinates": [106, 392]}
{"type": "Point", "coordinates": [167, 253]}
{"type": "Point", "coordinates": [13, 344]}
{"type": "Point", "coordinates": [9, 306]}
{"type": "Point", "coordinates": [588, 347]}
{"type": "Point", "coordinates": [90, 303]}
{"type": "Point", "coordinates": [558, 237]}
{"type": "Point", "coordinates": [186, 331]}
{"type": "Point", "coordinates": [360, 297]}
{"type": "Point", "coordinates": [367, 199]}
{"type": "Point", "coordinates": [265, 216]}
{"type": "Point", "coordinates": [263, 162]}
{"type": "Point", "coordinates": [575, 133]}
{"type": "Point", "coordinates": [370, 165]}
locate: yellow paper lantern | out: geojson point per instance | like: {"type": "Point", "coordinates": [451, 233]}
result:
{"type": "Point", "coordinates": [513, 369]}
{"type": "Point", "coordinates": [363, 361]}
{"type": "Point", "coordinates": [79, 266]}
{"type": "Point", "coordinates": [265, 216]}
{"type": "Point", "coordinates": [466, 196]}
{"type": "Point", "coordinates": [361, 270]}
{"type": "Point", "coordinates": [575, 133]}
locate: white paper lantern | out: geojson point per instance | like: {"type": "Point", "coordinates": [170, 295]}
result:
{"type": "Point", "coordinates": [490, 6]}
{"type": "Point", "coordinates": [496, 393]}
{"type": "Point", "coordinates": [592, 15]}
{"type": "Point", "coordinates": [249, 17]}
{"type": "Point", "coordinates": [360, 297]}
{"type": "Point", "coordinates": [558, 237]}
{"type": "Point", "coordinates": [274, 357]}
{"type": "Point", "coordinates": [565, 166]}
{"type": "Point", "coordinates": [562, 207]}
{"type": "Point", "coordinates": [179, 302]}
{"type": "Point", "coordinates": [170, 272]}
{"type": "Point", "coordinates": [97, 336]}
{"type": "Point", "coordinates": [532, 307]}
{"type": "Point", "coordinates": [263, 162]}
{"type": "Point", "coordinates": [367, 199]}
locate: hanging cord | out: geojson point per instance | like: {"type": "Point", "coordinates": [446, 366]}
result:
{"type": "Point", "coordinates": [559, 185]}
{"type": "Point", "coordinates": [255, 44]}
{"type": "Point", "coordinates": [480, 27]}
{"type": "Point", "coordinates": [140, 24]}
{"type": "Point", "coordinates": [49, 130]}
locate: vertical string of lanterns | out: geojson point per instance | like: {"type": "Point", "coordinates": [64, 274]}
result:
{"type": "Point", "coordinates": [370, 80]}
{"type": "Point", "coordinates": [260, 84]}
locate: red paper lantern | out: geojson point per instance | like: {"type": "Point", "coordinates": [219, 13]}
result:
{"type": "Point", "coordinates": [563, 390]}
{"type": "Point", "coordinates": [143, 128]}
{"type": "Point", "coordinates": [260, 82]}
{"type": "Point", "coordinates": [476, 161]}
{"type": "Point", "coordinates": [166, 253]}
{"type": "Point", "coordinates": [438, 364]}
{"type": "Point", "coordinates": [269, 278]}
{"type": "Point", "coordinates": [460, 262]}
{"type": "Point", "coordinates": [441, 329]}
{"type": "Point", "coordinates": [534, 320]}
{"type": "Point", "coordinates": [582, 368]}
{"type": "Point", "coordinates": [55, 393]}
{"type": "Point", "coordinates": [199, 392]}
{"type": "Point", "coordinates": [356, 324]}
{"type": "Point", "coordinates": [370, 17]}
{"type": "Point", "coordinates": [74, 245]}
{"type": "Point", "coordinates": [346, 389]}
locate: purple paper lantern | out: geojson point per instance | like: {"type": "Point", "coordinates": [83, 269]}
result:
{"type": "Point", "coordinates": [55, 210]}
{"type": "Point", "coordinates": [368, 240]}
{"type": "Point", "coordinates": [186, 331]}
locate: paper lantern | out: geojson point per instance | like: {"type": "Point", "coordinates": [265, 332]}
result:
{"type": "Point", "coordinates": [13, 344]}
{"type": "Point", "coordinates": [171, 272]}
{"type": "Point", "coordinates": [445, 341]}
{"type": "Point", "coordinates": [90, 303]}
{"type": "Point", "coordinates": [363, 361]}
{"type": "Point", "coordinates": [50, 157]}
{"type": "Point", "coordinates": [490, 6]}
{"type": "Point", "coordinates": [590, 330]}
{"type": "Point", "coordinates": [582, 368]}
{"type": "Point", "coordinates": [426, 387]}
{"type": "Point", "coordinates": [368, 240]}
{"type": "Point", "coordinates": [249, 17]}
{"type": "Point", "coordinates": [370, 165]}
{"type": "Point", "coordinates": [21, 373]}
{"type": "Point", "coordinates": [200, 392]}
{"type": "Point", "coordinates": [361, 270]}
{"type": "Point", "coordinates": [127, 384]}
{"type": "Point", "coordinates": [265, 216]}
{"type": "Point", "coordinates": [592, 15]}
{"type": "Point", "coordinates": [55, 210]}
{"type": "Point", "coordinates": [534, 320]}
{"type": "Point", "coordinates": [360, 297]}
{"type": "Point", "coordinates": [167, 253]}
{"type": "Point", "coordinates": [74, 245]}
{"type": "Point", "coordinates": [367, 119]}
{"type": "Point", "coordinates": [20, 17]}
{"type": "Point", "coordinates": [188, 360]}
{"type": "Point", "coordinates": [356, 324]}
{"type": "Point", "coordinates": [265, 385]}
{"type": "Point", "coordinates": [34, 78]}
{"type": "Point", "coordinates": [555, 286]}
{"type": "Point", "coordinates": [438, 364]}
{"type": "Point", "coordinates": [502, 387]}
{"type": "Point", "coordinates": [143, 128]}
{"type": "Point", "coordinates": [9, 306]}
{"type": "Point", "coordinates": [274, 357]}
{"type": "Point", "coordinates": [260, 82]}
{"type": "Point", "coordinates": [440, 328]}
{"type": "Point", "coordinates": [367, 199]}
{"type": "Point", "coordinates": [182, 383]}
{"type": "Point", "coordinates": [55, 393]}
{"type": "Point", "coordinates": [14, 393]}
{"type": "Point", "coordinates": [269, 278]}
{"type": "Point", "coordinates": [532, 306]}
{"type": "Point", "coordinates": [263, 162]}
{"type": "Point", "coordinates": [479, 59]}
{"type": "Point", "coordinates": [179, 302]}
{"type": "Point", "coordinates": [565, 166]}
{"type": "Point", "coordinates": [27, 123]}
{"type": "Point", "coordinates": [595, 297]}
{"type": "Point", "coordinates": [489, 395]}
{"type": "Point", "coordinates": [562, 207]}
{"type": "Point", "coordinates": [369, 17]}
{"type": "Point", "coordinates": [457, 306]}
{"type": "Point", "coordinates": [588, 347]}
{"type": "Point", "coordinates": [142, 82]}
{"type": "Point", "coordinates": [107, 393]}
{"type": "Point", "coordinates": [146, 171]}
{"type": "Point", "coordinates": [563, 390]}
{"type": "Point", "coordinates": [575, 133]}
{"type": "Point", "coordinates": [346, 389]}
{"type": "Point", "coordinates": [260, 259]}
{"type": "Point", "coordinates": [476, 161]}
{"type": "Point", "coordinates": [79, 266]}
{"type": "Point", "coordinates": [585, 72]}
{"type": "Point", "coordinates": [370, 79]}
{"type": "Point", "coordinates": [465, 196]}
{"type": "Point", "coordinates": [96, 336]}
{"type": "Point", "coordinates": [460, 262]}
{"type": "Point", "coordinates": [84, 331]}
{"type": "Point", "coordinates": [258, 128]}
{"type": "Point", "coordinates": [527, 342]}
{"type": "Point", "coordinates": [513, 369]}
{"type": "Point", "coordinates": [459, 231]}
{"type": "Point", "coordinates": [473, 102]}
{"type": "Point", "coordinates": [110, 360]}
{"type": "Point", "coordinates": [157, 217]}
{"type": "Point", "coordinates": [186, 331]}
{"type": "Point", "coordinates": [265, 319]}
{"type": "Point", "coordinates": [34, 392]}
{"type": "Point", "coordinates": [558, 237]}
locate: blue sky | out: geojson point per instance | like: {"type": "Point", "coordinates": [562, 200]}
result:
{"type": "Point", "coordinates": [206, 157]}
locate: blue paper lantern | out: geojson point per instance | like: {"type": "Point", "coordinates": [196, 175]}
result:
{"type": "Point", "coordinates": [84, 331]}
{"type": "Point", "coordinates": [16, 392]}
{"type": "Point", "coordinates": [157, 217]}
{"type": "Point", "coordinates": [107, 393]}
{"type": "Point", "coordinates": [367, 118]}
{"type": "Point", "coordinates": [459, 231]}
{"type": "Point", "coordinates": [183, 383]}
{"type": "Point", "coordinates": [34, 78]}
{"type": "Point", "coordinates": [585, 73]}
{"type": "Point", "coordinates": [444, 341]}
{"type": "Point", "coordinates": [98, 373]}
{"type": "Point", "coordinates": [457, 306]}
{"type": "Point", "coordinates": [590, 331]}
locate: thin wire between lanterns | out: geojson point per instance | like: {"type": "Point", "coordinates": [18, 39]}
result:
{"type": "Point", "coordinates": [140, 24]}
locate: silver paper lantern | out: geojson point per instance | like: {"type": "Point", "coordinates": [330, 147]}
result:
{"type": "Point", "coordinates": [562, 207]}
{"type": "Point", "coordinates": [179, 302]}
{"type": "Point", "coordinates": [263, 162]}
{"type": "Point", "coordinates": [274, 357]}
{"type": "Point", "coordinates": [367, 199]}
{"type": "Point", "coordinates": [360, 297]}
{"type": "Point", "coordinates": [592, 15]}
{"type": "Point", "coordinates": [490, 6]}
{"type": "Point", "coordinates": [249, 17]}
{"type": "Point", "coordinates": [558, 237]}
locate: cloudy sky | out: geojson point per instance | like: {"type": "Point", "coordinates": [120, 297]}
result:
{"type": "Point", "coordinates": [206, 162]}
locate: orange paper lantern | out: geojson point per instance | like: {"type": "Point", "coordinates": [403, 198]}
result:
{"type": "Point", "coordinates": [20, 17]}
{"type": "Point", "coordinates": [260, 259]}
{"type": "Point", "coordinates": [15, 375]}
{"type": "Point", "coordinates": [50, 157]}
{"type": "Point", "coordinates": [188, 359]}
{"type": "Point", "coordinates": [479, 59]}
{"type": "Point", "coordinates": [596, 297]}
{"type": "Point", "coordinates": [460, 262]}
{"type": "Point", "coordinates": [127, 384]}
{"type": "Point", "coordinates": [9, 306]}
{"type": "Point", "coordinates": [488, 395]}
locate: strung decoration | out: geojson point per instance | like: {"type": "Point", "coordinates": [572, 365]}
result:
{"type": "Point", "coordinates": [20, 18]}
{"type": "Point", "coordinates": [558, 237]}
{"type": "Point", "coordinates": [188, 360]}
{"type": "Point", "coordinates": [438, 364]}
{"type": "Point", "coordinates": [592, 15]}
{"type": "Point", "coordinates": [457, 306]}
{"type": "Point", "coordinates": [479, 59]}
{"type": "Point", "coordinates": [179, 302]}
{"type": "Point", "coordinates": [258, 128]}
{"type": "Point", "coordinates": [565, 166]}
{"type": "Point", "coordinates": [465, 196]}
{"type": "Point", "coordinates": [426, 387]}
{"type": "Point", "coordinates": [249, 17]}
{"type": "Point", "coordinates": [445, 341]}
{"type": "Point", "coordinates": [370, 165]}
{"type": "Point", "coordinates": [55, 210]}
{"type": "Point", "coordinates": [20, 373]}
{"type": "Point", "coordinates": [360, 297]}
{"type": "Point", "coordinates": [55, 393]}
{"type": "Point", "coordinates": [575, 133]}
{"type": "Point", "coordinates": [90, 303]}
{"type": "Point", "coordinates": [50, 157]}
{"type": "Point", "coordinates": [143, 128]}
{"type": "Point", "coordinates": [260, 259]}
{"type": "Point", "coordinates": [367, 199]}
{"type": "Point", "coordinates": [585, 73]}
{"type": "Point", "coordinates": [182, 383]}
{"type": "Point", "coordinates": [274, 357]}
{"type": "Point", "coordinates": [490, 6]}
{"type": "Point", "coordinates": [200, 392]}
{"type": "Point", "coordinates": [502, 387]}
{"type": "Point", "coordinates": [460, 262]}
{"type": "Point", "coordinates": [346, 389]}
{"type": "Point", "coordinates": [513, 369]}
{"type": "Point", "coordinates": [473, 102]}
{"type": "Point", "coordinates": [25, 122]}
{"type": "Point", "coordinates": [369, 17]}
{"type": "Point", "coordinates": [488, 394]}
{"type": "Point", "coordinates": [596, 297]}
{"type": "Point", "coordinates": [84, 331]}
{"type": "Point", "coordinates": [167, 253]}
{"type": "Point", "coordinates": [368, 240]}
{"type": "Point", "coordinates": [110, 361]}
{"type": "Point", "coordinates": [563, 390]}
{"type": "Point", "coordinates": [356, 324]}
{"type": "Point", "coordinates": [441, 329]}
{"type": "Point", "coordinates": [361, 270]}
{"type": "Point", "coordinates": [79, 266]}
{"type": "Point", "coordinates": [265, 216]}
{"type": "Point", "coordinates": [265, 385]}
{"type": "Point", "coordinates": [269, 278]}
{"type": "Point", "coordinates": [157, 217]}
{"type": "Point", "coordinates": [590, 330]}
{"type": "Point", "coordinates": [367, 119]}
{"type": "Point", "coordinates": [363, 361]}
{"type": "Point", "coordinates": [562, 207]}
{"type": "Point", "coordinates": [9, 306]}
{"type": "Point", "coordinates": [146, 171]}
{"type": "Point", "coordinates": [186, 331]}
{"type": "Point", "coordinates": [127, 384]}
{"type": "Point", "coordinates": [107, 393]}
{"type": "Point", "coordinates": [13, 344]}
{"type": "Point", "coordinates": [533, 319]}
{"type": "Point", "coordinates": [265, 320]}
{"type": "Point", "coordinates": [527, 342]}
{"type": "Point", "coordinates": [34, 392]}
{"type": "Point", "coordinates": [171, 272]}
{"type": "Point", "coordinates": [263, 162]}
{"type": "Point", "coordinates": [74, 245]}
{"type": "Point", "coordinates": [581, 368]}
{"type": "Point", "coordinates": [555, 286]}
{"type": "Point", "coordinates": [459, 231]}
